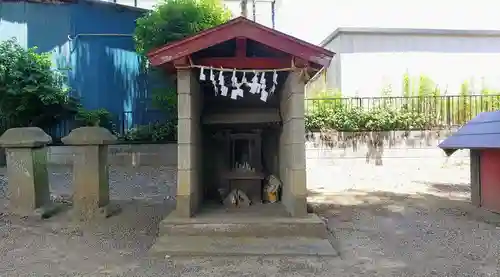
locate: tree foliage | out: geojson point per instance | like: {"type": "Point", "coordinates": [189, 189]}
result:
{"type": "Point", "coordinates": [31, 92]}
{"type": "Point", "coordinates": [172, 20]}
{"type": "Point", "coordinates": [169, 21]}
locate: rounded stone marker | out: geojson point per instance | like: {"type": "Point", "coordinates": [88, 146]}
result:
{"type": "Point", "coordinates": [27, 169]}
{"type": "Point", "coordinates": [89, 136]}
{"type": "Point", "coordinates": [90, 171]}
{"type": "Point", "coordinates": [26, 137]}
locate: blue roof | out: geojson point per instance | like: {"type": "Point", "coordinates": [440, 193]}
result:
{"type": "Point", "coordinates": [481, 132]}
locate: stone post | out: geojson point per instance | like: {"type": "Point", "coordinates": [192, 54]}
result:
{"type": "Point", "coordinates": [90, 171]}
{"type": "Point", "coordinates": [189, 191]}
{"type": "Point", "coordinates": [292, 146]}
{"type": "Point", "coordinates": [28, 184]}
{"type": "Point", "coordinates": [475, 176]}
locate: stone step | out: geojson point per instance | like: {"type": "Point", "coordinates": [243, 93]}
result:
{"type": "Point", "coordinates": [310, 227]}
{"type": "Point", "coordinates": [242, 246]}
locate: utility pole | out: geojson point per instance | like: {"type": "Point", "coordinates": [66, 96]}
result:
{"type": "Point", "coordinates": [244, 8]}
{"type": "Point", "coordinates": [254, 9]}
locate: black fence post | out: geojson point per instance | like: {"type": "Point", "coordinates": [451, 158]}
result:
{"type": "Point", "coordinates": [448, 111]}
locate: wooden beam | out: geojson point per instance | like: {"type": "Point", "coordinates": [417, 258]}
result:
{"type": "Point", "coordinates": [300, 63]}
{"type": "Point", "coordinates": [241, 47]}
{"type": "Point", "coordinates": [245, 63]}
{"type": "Point", "coordinates": [182, 62]}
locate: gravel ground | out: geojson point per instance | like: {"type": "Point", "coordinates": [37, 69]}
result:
{"type": "Point", "coordinates": [407, 218]}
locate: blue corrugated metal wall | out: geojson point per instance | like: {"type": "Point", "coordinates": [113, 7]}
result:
{"type": "Point", "coordinates": [95, 42]}
{"type": "Point", "coordinates": [13, 22]}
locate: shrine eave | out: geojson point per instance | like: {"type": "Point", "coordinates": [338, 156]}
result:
{"type": "Point", "coordinates": [301, 52]}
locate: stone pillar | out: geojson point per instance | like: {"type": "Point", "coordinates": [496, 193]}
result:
{"type": "Point", "coordinates": [90, 171]}
{"type": "Point", "coordinates": [28, 184]}
{"type": "Point", "coordinates": [292, 146]}
{"type": "Point", "coordinates": [189, 193]}
{"type": "Point", "coordinates": [475, 176]}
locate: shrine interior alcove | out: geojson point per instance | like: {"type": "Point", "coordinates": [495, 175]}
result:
{"type": "Point", "coordinates": [240, 138]}
{"type": "Point", "coordinates": [241, 112]}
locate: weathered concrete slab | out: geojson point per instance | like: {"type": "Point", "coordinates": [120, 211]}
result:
{"type": "Point", "coordinates": [242, 246]}
{"type": "Point", "coordinates": [133, 155]}
{"type": "Point", "coordinates": [310, 226]}
{"type": "Point", "coordinates": [399, 144]}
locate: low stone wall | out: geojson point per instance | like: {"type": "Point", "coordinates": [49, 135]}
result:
{"type": "Point", "coordinates": [377, 146]}
{"type": "Point", "coordinates": [321, 149]}
{"type": "Point", "coordinates": [123, 155]}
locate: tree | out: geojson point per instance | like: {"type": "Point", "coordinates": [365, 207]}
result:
{"type": "Point", "coordinates": [31, 92]}
{"type": "Point", "coordinates": [173, 20]}
{"type": "Point", "coordinates": [170, 21]}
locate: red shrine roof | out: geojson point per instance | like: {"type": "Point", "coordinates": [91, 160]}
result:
{"type": "Point", "coordinates": [241, 27]}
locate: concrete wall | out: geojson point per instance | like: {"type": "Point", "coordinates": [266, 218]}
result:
{"type": "Point", "coordinates": [123, 155]}
{"type": "Point", "coordinates": [395, 144]}
{"type": "Point", "coordinates": [321, 149]}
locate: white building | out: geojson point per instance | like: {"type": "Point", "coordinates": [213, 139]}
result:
{"type": "Point", "coordinates": [377, 42]}
{"type": "Point", "coordinates": [369, 60]}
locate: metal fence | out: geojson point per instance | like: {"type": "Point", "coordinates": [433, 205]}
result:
{"type": "Point", "coordinates": [120, 124]}
{"type": "Point", "coordinates": [447, 110]}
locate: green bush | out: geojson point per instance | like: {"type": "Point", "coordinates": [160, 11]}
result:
{"type": "Point", "coordinates": [99, 117]}
{"type": "Point", "coordinates": [154, 132]}
{"type": "Point", "coordinates": [173, 20]}
{"type": "Point", "coordinates": [359, 120]}
{"type": "Point", "coordinates": [165, 100]}
{"type": "Point", "coordinates": [32, 93]}
{"type": "Point", "coordinates": [422, 106]}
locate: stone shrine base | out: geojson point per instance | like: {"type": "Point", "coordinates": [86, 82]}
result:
{"type": "Point", "coordinates": [258, 230]}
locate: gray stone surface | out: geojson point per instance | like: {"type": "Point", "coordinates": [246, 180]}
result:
{"type": "Point", "coordinates": [90, 172]}
{"type": "Point", "coordinates": [26, 137]}
{"type": "Point", "coordinates": [28, 180]}
{"type": "Point", "coordinates": [247, 225]}
{"type": "Point", "coordinates": [415, 145]}
{"type": "Point", "coordinates": [122, 155]}
{"type": "Point", "coordinates": [292, 158]}
{"type": "Point", "coordinates": [89, 136]}
{"type": "Point", "coordinates": [242, 246]}
{"type": "Point", "coordinates": [27, 170]}
{"type": "Point", "coordinates": [410, 217]}
{"type": "Point", "coordinates": [154, 184]}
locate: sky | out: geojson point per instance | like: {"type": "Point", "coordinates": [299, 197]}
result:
{"type": "Point", "coordinates": [313, 20]}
